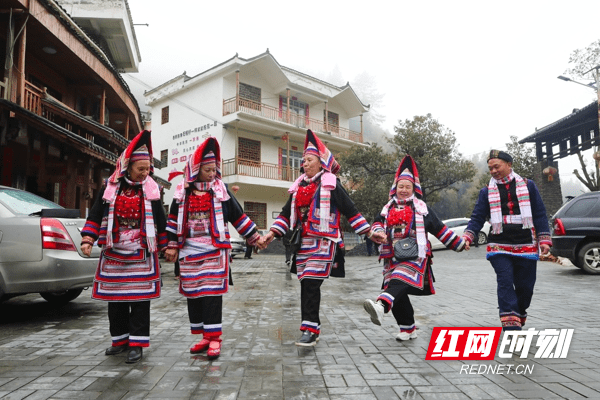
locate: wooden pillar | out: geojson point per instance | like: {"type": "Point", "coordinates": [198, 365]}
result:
{"type": "Point", "coordinates": [21, 68]}
{"type": "Point", "coordinates": [71, 182]}
{"type": "Point", "coordinates": [41, 172]}
{"type": "Point", "coordinates": [288, 110]}
{"type": "Point", "coordinates": [326, 118]}
{"type": "Point", "coordinates": [127, 128]}
{"type": "Point", "coordinates": [237, 136]}
{"type": "Point", "coordinates": [289, 159]}
{"type": "Point", "coordinates": [86, 196]}
{"type": "Point", "coordinates": [237, 91]}
{"type": "Point", "coordinates": [361, 125]}
{"type": "Point", "coordinates": [102, 106]}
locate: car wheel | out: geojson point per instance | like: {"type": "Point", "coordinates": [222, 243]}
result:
{"type": "Point", "coordinates": [589, 258]}
{"type": "Point", "coordinates": [481, 238]}
{"type": "Point", "coordinates": [61, 297]}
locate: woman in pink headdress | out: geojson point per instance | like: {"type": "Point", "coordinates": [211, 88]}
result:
{"type": "Point", "coordinates": [317, 199]}
{"type": "Point", "coordinates": [128, 220]}
{"type": "Point", "coordinates": [199, 239]}
{"type": "Point", "coordinates": [407, 218]}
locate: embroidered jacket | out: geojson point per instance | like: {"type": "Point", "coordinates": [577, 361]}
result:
{"type": "Point", "coordinates": [232, 212]}
{"type": "Point", "coordinates": [513, 240]}
{"type": "Point", "coordinates": [96, 223]}
{"type": "Point", "coordinates": [340, 204]}
{"type": "Point", "coordinates": [417, 273]}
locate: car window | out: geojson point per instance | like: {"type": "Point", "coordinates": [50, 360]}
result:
{"type": "Point", "coordinates": [454, 224]}
{"type": "Point", "coordinates": [25, 203]}
{"type": "Point", "coordinates": [581, 207]}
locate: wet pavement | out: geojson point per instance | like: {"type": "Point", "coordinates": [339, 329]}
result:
{"type": "Point", "coordinates": [51, 352]}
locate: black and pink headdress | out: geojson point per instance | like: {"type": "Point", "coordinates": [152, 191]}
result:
{"type": "Point", "coordinates": [140, 148]}
{"type": "Point", "coordinates": [314, 146]}
{"type": "Point", "coordinates": [407, 170]}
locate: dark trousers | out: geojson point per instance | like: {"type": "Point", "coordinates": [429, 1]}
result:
{"type": "Point", "coordinates": [206, 315]}
{"type": "Point", "coordinates": [130, 323]}
{"type": "Point", "coordinates": [310, 301]}
{"type": "Point", "coordinates": [288, 253]}
{"type": "Point", "coordinates": [248, 253]}
{"type": "Point", "coordinates": [515, 277]}
{"type": "Point", "coordinates": [402, 308]}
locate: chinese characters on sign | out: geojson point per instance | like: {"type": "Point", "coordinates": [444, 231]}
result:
{"type": "Point", "coordinates": [192, 142]}
{"type": "Point", "coordinates": [481, 343]}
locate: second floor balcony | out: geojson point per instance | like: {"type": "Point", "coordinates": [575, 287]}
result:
{"type": "Point", "coordinates": [230, 106]}
{"type": "Point", "coordinates": [254, 169]}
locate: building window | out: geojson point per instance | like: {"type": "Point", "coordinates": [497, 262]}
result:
{"type": "Point", "coordinates": [164, 115]}
{"type": "Point", "coordinates": [295, 158]}
{"type": "Point", "coordinates": [333, 120]}
{"type": "Point", "coordinates": [257, 212]}
{"type": "Point", "coordinates": [249, 92]}
{"type": "Point", "coordinates": [164, 158]}
{"type": "Point", "coordinates": [249, 150]}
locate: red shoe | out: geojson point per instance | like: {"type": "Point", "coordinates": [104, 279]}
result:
{"type": "Point", "coordinates": [200, 346]}
{"type": "Point", "coordinates": [214, 350]}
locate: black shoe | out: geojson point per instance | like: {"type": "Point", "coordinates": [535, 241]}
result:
{"type": "Point", "coordinates": [308, 339]}
{"type": "Point", "coordinates": [134, 355]}
{"type": "Point", "coordinates": [247, 258]}
{"type": "Point", "coordinates": [111, 351]}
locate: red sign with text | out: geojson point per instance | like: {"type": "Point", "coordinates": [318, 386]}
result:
{"type": "Point", "coordinates": [451, 343]}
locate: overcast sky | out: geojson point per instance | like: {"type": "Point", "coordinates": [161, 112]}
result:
{"type": "Point", "coordinates": [486, 70]}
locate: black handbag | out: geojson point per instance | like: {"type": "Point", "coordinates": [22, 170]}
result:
{"type": "Point", "coordinates": [296, 240]}
{"type": "Point", "coordinates": [406, 249]}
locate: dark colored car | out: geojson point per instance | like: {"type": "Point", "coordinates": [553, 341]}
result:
{"type": "Point", "coordinates": [39, 248]}
{"type": "Point", "coordinates": [576, 232]}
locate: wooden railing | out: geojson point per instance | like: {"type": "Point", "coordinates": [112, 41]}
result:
{"type": "Point", "coordinates": [33, 98]}
{"type": "Point", "coordinates": [255, 169]}
{"type": "Point", "coordinates": [4, 89]}
{"type": "Point", "coordinates": [41, 103]}
{"type": "Point", "coordinates": [275, 114]}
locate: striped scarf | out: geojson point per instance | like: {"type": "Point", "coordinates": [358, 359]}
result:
{"type": "Point", "coordinates": [420, 211]}
{"type": "Point", "coordinates": [219, 194]}
{"type": "Point", "coordinates": [496, 208]}
{"type": "Point", "coordinates": [328, 183]}
{"type": "Point", "coordinates": [150, 191]}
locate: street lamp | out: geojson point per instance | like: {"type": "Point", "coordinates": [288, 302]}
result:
{"type": "Point", "coordinates": [567, 79]}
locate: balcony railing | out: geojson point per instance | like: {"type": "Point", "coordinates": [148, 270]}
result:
{"type": "Point", "coordinates": [4, 89]}
{"type": "Point", "coordinates": [301, 121]}
{"type": "Point", "coordinates": [236, 166]}
{"type": "Point", "coordinates": [33, 98]}
{"type": "Point", "coordinates": [41, 103]}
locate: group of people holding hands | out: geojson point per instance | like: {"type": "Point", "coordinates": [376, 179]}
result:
{"type": "Point", "coordinates": [129, 222]}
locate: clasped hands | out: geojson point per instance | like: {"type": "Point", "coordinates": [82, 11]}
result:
{"type": "Point", "coordinates": [264, 241]}
{"type": "Point", "coordinates": [378, 237]}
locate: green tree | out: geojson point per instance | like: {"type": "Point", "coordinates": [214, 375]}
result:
{"type": "Point", "coordinates": [585, 64]}
{"type": "Point", "coordinates": [368, 173]}
{"type": "Point", "coordinates": [523, 157]}
{"type": "Point", "coordinates": [434, 149]}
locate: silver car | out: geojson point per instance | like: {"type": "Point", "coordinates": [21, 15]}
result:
{"type": "Point", "coordinates": [458, 226]}
{"type": "Point", "coordinates": [238, 246]}
{"type": "Point", "coordinates": [39, 248]}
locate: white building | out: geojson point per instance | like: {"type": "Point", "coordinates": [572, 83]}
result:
{"type": "Point", "coordinates": [259, 112]}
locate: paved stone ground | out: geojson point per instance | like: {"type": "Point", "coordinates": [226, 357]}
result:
{"type": "Point", "coordinates": [58, 352]}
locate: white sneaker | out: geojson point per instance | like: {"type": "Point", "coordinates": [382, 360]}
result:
{"type": "Point", "coordinates": [407, 336]}
{"type": "Point", "coordinates": [375, 310]}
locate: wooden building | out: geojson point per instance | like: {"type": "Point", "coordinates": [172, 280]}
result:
{"type": "Point", "coordinates": [567, 136]}
{"type": "Point", "coordinates": [65, 111]}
